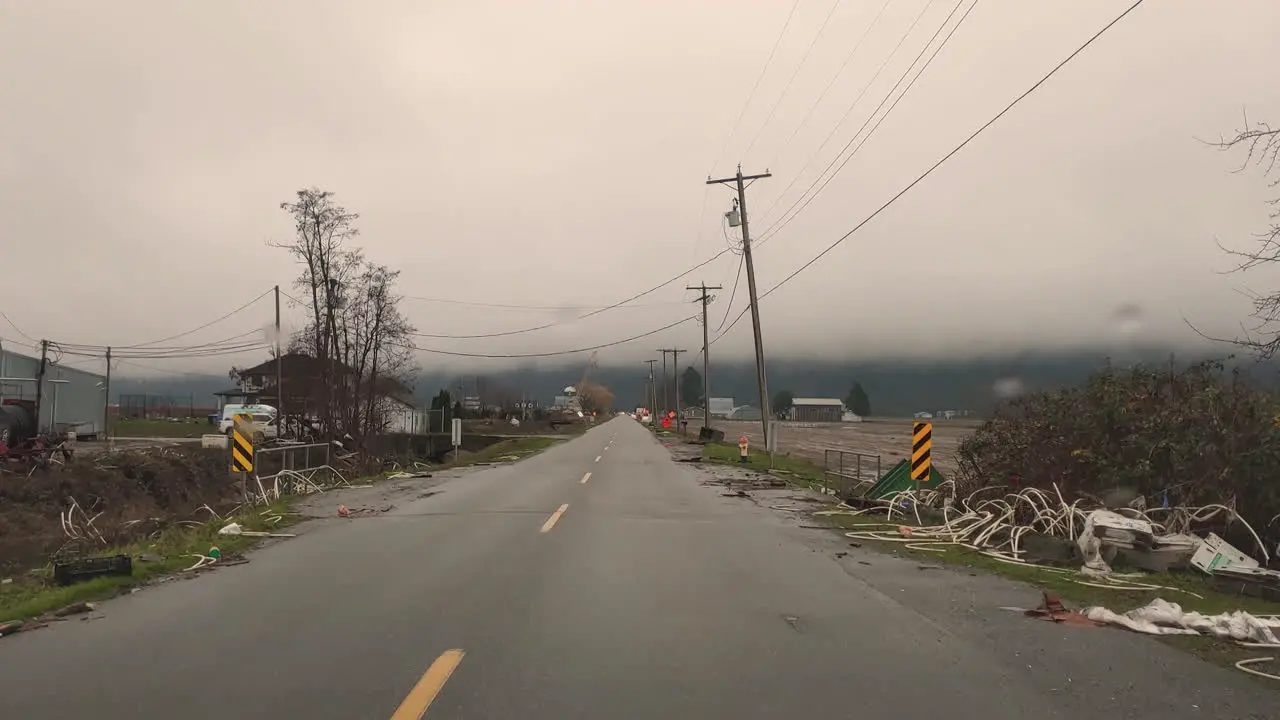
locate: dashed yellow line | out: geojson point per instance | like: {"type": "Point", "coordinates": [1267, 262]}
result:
{"type": "Point", "coordinates": [585, 478]}
{"type": "Point", "coordinates": [415, 704]}
{"type": "Point", "coordinates": [555, 518]}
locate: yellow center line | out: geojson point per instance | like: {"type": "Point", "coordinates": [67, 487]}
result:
{"type": "Point", "coordinates": [415, 704]}
{"type": "Point", "coordinates": [555, 518]}
{"type": "Point", "coordinates": [585, 478]}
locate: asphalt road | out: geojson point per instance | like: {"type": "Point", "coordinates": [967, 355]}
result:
{"type": "Point", "coordinates": [524, 592]}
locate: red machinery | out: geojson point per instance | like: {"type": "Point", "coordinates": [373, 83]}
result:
{"type": "Point", "coordinates": [20, 438]}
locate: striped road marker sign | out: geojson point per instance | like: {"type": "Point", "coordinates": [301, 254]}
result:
{"type": "Point", "coordinates": [242, 444]}
{"type": "Point", "coordinates": [921, 444]}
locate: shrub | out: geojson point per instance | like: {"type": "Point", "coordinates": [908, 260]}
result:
{"type": "Point", "coordinates": [1189, 438]}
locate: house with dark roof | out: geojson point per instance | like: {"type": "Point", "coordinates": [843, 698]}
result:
{"type": "Point", "coordinates": [302, 390]}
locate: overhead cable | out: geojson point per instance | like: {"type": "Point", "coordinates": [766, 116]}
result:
{"type": "Point", "coordinates": [777, 226]}
{"type": "Point", "coordinates": [849, 110]}
{"type": "Point", "coordinates": [943, 160]}
{"type": "Point", "coordinates": [756, 86]}
{"type": "Point", "coordinates": [436, 351]}
{"type": "Point", "coordinates": [830, 83]}
{"type": "Point", "coordinates": [790, 81]}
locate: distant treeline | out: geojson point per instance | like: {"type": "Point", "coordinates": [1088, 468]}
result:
{"type": "Point", "coordinates": [895, 387]}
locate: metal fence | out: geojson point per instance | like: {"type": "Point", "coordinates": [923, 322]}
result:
{"type": "Point", "coordinates": [299, 468]}
{"type": "Point", "coordinates": [844, 471]}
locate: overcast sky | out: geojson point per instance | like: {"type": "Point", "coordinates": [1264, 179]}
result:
{"type": "Point", "coordinates": [555, 153]}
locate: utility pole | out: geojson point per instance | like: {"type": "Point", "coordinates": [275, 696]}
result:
{"type": "Point", "coordinates": [675, 377]}
{"type": "Point", "coordinates": [666, 389]}
{"type": "Point", "coordinates": [739, 179]}
{"type": "Point", "coordinates": [281, 427]}
{"type": "Point", "coordinates": [706, 354]}
{"type": "Point", "coordinates": [44, 364]}
{"type": "Point", "coordinates": [652, 400]}
{"type": "Point", "coordinates": [106, 400]}
{"type": "Point", "coordinates": [675, 373]}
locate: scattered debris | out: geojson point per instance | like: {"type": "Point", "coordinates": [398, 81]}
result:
{"type": "Point", "coordinates": [74, 609]}
{"type": "Point", "coordinates": [999, 527]}
{"type": "Point", "coordinates": [1052, 609]}
{"type": "Point", "coordinates": [1160, 617]}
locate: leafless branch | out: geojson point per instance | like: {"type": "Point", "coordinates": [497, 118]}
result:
{"type": "Point", "coordinates": [1261, 146]}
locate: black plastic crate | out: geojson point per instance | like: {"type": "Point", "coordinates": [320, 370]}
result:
{"type": "Point", "coordinates": [69, 572]}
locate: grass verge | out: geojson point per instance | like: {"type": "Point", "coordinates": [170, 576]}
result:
{"type": "Point", "coordinates": [798, 471]}
{"type": "Point", "coordinates": [511, 449]}
{"type": "Point", "coordinates": [138, 428]}
{"type": "Point", "coordinates": [33, 595]}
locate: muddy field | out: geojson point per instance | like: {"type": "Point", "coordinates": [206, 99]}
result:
{"type": "Point", "coordinates": [890, 438]}
{"type": "Point", "coordinates": [118, 497]}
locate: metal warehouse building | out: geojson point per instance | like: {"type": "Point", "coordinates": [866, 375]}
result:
{"type": "Point", "coordinates": [816, 410]}
{"type": "Point", "coordinates": [73, 400]}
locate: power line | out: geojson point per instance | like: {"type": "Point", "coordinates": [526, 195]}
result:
{"type": "Point", "coordinates": [756, 86]}
{"type": "Point", "coordinates": [435, 351]}
{"type": "Point", "coordinates": [18, 329]}
{"type": "Point", "coordinates": [583, 316]}
{"type": "Point", "coordinates": [805, 196]}
{"type": "Point", "coordinates": [849, 110]}
{"type": "Point", "coordinates": [728, 308]}
{"type": "Point", "coordinates": [448, 301]}
{"type": "Point", "coordinates": [777, 227]}
{"type": "Point", "coordinates": [215, 321]}
{"type": "Point", "coordinates": [830, 83]}
{"type": "Point", "coordinates": [165, 370]}
{"type": "Point", "coordinates": [944, 158]}
{"type": "Point", "coordinates": [787, 88]}
{"type": "Point", "coordinates": [213, 344]}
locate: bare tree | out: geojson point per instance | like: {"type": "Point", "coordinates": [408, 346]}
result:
{"type": "Point", "coordinates": [361, 341]}
{"type": "Point", "coordinates": [1260, 144]}
{"type": "Point", "coordinates": [594, 397]}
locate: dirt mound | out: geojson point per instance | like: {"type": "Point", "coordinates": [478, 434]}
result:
{"type": "Point", "coordinates": [156, 486]}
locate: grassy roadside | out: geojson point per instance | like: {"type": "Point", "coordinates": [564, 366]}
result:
{"type": "Point", "coordinates": [509, 450]}
{"type": "Point", "coordinates": [798, 471]}
{"type": "Point", "coordinates": [32, 595]}
{"type": "Point", "coordinates": [139, 428]}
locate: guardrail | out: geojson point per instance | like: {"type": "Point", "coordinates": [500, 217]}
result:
{"type": "Point", "coordinates": [844, 471]}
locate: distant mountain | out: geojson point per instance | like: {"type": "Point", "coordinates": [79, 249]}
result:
{"type": "Point", "coordinates": [895, 387]}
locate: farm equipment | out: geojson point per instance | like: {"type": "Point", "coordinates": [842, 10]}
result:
{"type": "Point", "coordinates": [20, 438]}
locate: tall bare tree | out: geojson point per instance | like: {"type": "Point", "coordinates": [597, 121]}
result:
{"type": "Point", "coordinates": [361, 341]}
{"type": "Point", "coordinates": [1260, 145]}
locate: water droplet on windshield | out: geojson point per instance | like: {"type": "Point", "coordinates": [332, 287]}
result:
{"type": "Point", "coordinates": [1128, 319]}
{"type": "Point", "coordinates": [1007, 388]}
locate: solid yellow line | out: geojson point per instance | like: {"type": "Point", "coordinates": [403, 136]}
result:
{"type": "Point", "coordinates": [419, 698]}
{"type": "Point", "coordinates": [585, 478]}
{"type": "Point", "coordinates": [555, 518]}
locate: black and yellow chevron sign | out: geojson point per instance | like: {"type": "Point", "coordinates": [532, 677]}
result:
{"type": "Point", "coordinates": [921, 445]}
{"type": "Point", "coordinates": [242, 444]}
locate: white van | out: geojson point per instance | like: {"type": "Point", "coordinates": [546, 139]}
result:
{"type": "Point", "coordinates": [262, 415]}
